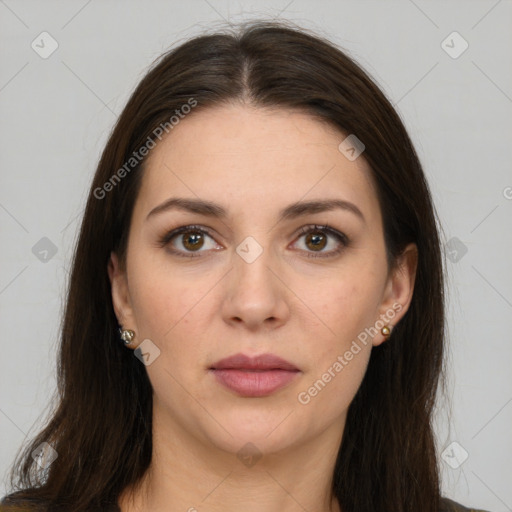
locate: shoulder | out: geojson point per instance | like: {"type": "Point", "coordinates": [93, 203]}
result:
{"type": "Point", "coordinates": [14, 508]}
{"type": "Point", "coordinates": [10, 504]}
{"type": "Point", "coordinates": [448, 505]}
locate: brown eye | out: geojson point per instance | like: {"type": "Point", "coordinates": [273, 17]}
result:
{"type": "Point", "coordinates": [316, 241]}
{"type": "Point", "coordinates": [317, 238]}
{"type": "Point", "coordinates": [187, 240]}
{"type": "Point", "coordinates": [193, 241]}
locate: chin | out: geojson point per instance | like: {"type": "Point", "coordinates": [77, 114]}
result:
{"type": "Point", "coordinates": [238, 435]}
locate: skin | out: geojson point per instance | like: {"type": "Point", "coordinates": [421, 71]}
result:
{"type": "Point", "coordinates": [253, 162]}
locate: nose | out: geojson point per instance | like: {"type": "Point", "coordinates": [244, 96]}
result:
{"type": "Point", "coordinates": [255, 294]}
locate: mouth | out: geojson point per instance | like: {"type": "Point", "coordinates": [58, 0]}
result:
{"type": "Point", "coordinates": [262, 362]}
{"type": "Point", "coordinates": [254, 376]}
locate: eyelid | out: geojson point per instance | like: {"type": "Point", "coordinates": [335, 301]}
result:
{"type": "Point", "coordinates": [326, 228]}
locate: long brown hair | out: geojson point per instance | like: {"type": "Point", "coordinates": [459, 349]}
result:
{"type": "Point", "coordinates": [102, 423]}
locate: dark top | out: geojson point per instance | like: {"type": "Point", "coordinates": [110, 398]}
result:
{"type": "Point", "coordinates": [452, 506]}
{"type": "Point", "coordinates": [446, 506]}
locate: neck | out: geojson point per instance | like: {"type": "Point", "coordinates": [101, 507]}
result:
{"type": "Point", "coordinates": [188, 474]}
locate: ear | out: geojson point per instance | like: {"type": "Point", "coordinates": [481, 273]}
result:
{"type": "Point", "coordinates": [120, 293]}
{"type": "Point", "coordinates": [398, 291]}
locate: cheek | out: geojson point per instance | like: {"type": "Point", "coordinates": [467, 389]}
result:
{"type": "Point", "coordinates": [339, 356]}
{"type": "Point", "coordinates": [342, 379]}
{"type": "Point", "coordinates": [350, 308]}
{"type": "Point", "coordinates": [164, 300]}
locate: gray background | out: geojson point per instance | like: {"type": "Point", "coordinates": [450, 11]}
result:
{"type": "Point", "coordinates": [56, 114]}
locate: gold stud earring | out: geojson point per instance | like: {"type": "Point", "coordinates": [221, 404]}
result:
{"type": "Point", "coordinates": [127, 335]}
{"type": "Point", "coordinates": [386, 331]}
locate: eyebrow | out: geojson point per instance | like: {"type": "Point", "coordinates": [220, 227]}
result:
{"type": "Point", "coordinates": [292, 211]}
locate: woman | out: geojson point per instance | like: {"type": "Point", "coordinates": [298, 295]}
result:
{"type": "Point", "coordinates": [255, 314]}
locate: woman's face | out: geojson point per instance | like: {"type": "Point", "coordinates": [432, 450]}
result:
{"type": "Point", "coordinates": [252, 282]}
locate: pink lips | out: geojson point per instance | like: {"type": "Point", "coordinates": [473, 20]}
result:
{"type": "Point", "coordinates": [254, 376]}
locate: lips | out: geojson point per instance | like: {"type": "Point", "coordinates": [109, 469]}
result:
{"type": "Point", "coordinates": [254, 376]}
{"type": "Point", "coordinates": [262, 362]}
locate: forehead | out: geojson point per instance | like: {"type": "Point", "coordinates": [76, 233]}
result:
{"type": "Point", "coordinates": [247, 154]}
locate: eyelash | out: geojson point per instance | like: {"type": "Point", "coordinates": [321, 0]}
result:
{"type": "Point", "coordinates": [341, 237]}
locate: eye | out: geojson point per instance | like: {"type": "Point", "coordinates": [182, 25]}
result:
{"type": "Point", "coordinates": [191, 239]}
{"type": "Point", "coordinates": [316, 238]}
